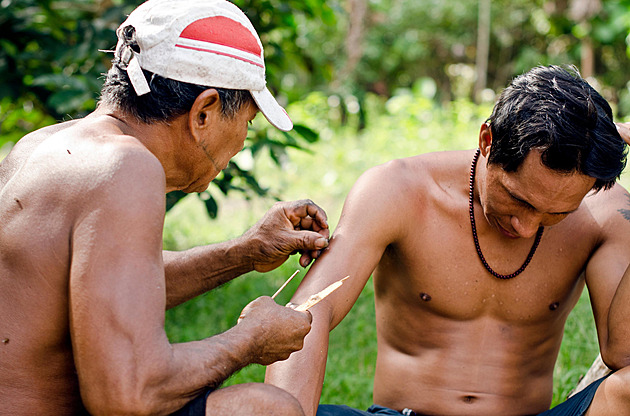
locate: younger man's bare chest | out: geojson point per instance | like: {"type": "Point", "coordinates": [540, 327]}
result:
{"type": "Point", "coordinates": [437, 269]}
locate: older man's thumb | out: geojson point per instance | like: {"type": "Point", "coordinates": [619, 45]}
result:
{"type": "Point", "coordinates": [321, 243]}
{"type": "Point", "coordinates": [311, 240]}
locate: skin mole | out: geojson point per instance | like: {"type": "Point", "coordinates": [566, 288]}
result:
{"type": "Point", "coordinates": [554, 306]}
{"type": "Point", "coordinates": [425, 297]}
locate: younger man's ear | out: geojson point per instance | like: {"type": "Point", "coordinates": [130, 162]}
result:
{"type": "Point", "coordinates": [485, 139]}
{"type": "Point", "coordinates": [204, 110]}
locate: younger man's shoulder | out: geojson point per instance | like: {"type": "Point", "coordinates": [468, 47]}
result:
{"type": "Point", "coordinates": [422, 170]}
{"type": "Point", "coordinates": [608, 203]}
{"type": "Point", "coordinates": [414, 183]}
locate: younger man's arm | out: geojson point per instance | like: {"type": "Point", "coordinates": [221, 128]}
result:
{"type": "Point", "coordinates": [371, 218]}
{"type": "Point", "coordinates": [616, 348]}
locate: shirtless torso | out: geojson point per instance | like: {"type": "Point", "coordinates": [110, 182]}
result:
{"type": "Point", "coordinates": [35, 243]}
{"type": "Point", "coordinates": [83, 279]}
{"type": "Point", "coordinates": [453, 339]}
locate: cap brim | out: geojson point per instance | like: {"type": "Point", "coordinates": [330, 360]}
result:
{"type": "Point", "coordinates": [272, 111]}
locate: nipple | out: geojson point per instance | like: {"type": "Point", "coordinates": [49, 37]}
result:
{"type": "Point", "coordinates": [425, 297]}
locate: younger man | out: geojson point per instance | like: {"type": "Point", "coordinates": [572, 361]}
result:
{"type": "Point", "coordinates": [478, 257]}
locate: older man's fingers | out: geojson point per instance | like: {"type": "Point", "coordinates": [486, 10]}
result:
{"type": "Point", "coordinates": [297, 211]}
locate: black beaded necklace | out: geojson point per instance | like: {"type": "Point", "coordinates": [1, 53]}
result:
{"type": "Point", "coordinates": [471, 209]}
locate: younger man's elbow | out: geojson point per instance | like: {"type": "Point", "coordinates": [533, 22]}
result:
{"type": "Point", "coordinates": [616, 356]}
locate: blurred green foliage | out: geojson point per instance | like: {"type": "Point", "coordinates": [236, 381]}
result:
{"type": "Point", "coordinates": [52, 63]}
{"type": "Point", "coordinates": [51, 59]}
{"type": "Point", "coordinates": [409, 91]}
{"type": "Point", "coordinates": [406, 40]}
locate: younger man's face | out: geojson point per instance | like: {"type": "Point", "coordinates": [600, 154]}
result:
{"type": "Point", "coordinates": [517, 203]}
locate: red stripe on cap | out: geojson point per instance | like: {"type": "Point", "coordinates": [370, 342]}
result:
{"type": "Point", "coordinates": [220, 53]}
{"type": "Point", "coordinates": [224, 31]}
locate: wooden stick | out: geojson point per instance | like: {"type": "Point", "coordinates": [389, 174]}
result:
{"type": "Point", "coordinates": [598, 370]}
{"type": "Point", "coordinates": [285, 284]}
{"type": "Point", "coordinates": [318, 297]}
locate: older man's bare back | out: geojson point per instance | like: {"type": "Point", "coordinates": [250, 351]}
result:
{"type": "Point", "coordinates": [45, 189]}
{"type": "Point", "coordinates": [453, 339]}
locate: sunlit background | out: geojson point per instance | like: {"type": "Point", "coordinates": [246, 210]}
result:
{"type": "Point", "coordinates": [365, 81]}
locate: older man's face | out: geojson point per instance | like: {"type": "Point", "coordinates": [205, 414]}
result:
{"type": "Point", "coordinates": [222, 142]}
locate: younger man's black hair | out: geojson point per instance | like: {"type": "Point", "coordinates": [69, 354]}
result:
{"type": "Point", "coordinates": [558, 113]}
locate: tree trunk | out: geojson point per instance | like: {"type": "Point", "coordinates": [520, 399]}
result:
{"type": "Point", "coordinates": [354, 39]}
{"type": "Point", "coordinates": [581, 11]}
{"type": "Point", "coordinates": [483, 49]}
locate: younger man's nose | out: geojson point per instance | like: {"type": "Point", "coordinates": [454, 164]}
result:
{"type": "Point", "coordinates": [526, 226]}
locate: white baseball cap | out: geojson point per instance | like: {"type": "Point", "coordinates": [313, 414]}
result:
{"type": "Point", "coordinates": [203, 42]}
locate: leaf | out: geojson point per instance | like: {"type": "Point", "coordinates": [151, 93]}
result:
{"type": "Point", "coordinates": [67, 101]}
{"type": "Point", "coordinates": [211, 206]}
{"type": "Point", "coordinates": [173, 198]}
{"type": "Point", "coordinates": [308, 134]}
{"type": "Point", "coordinates": [8, 47]}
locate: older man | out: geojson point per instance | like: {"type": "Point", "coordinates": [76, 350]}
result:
{"type": "Point", "coordinates": [478, 258]}
{"type": "Point", "coordinates": [83, 280]}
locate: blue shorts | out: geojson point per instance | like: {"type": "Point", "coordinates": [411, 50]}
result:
{"type": "Point", "coordinates": [195, 407]}
{"type": "Point", "coordinates": [575, 406]}
{"type": "Point", "coordinates": [578, 404]}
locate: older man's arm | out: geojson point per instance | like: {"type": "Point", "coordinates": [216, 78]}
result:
{"type": "Point", "coordinates": [124, 361]}
{"type": "Point", "coordinates": [288, 227]}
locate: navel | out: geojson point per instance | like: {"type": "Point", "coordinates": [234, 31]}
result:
{"type": "Point", "coordinates": [19, 203]}
{"type": "Point", "coordinates": [425, 296]}
{"type": "Point", "coordinates": [554, 306]}
{"type": "Point", "coordinates": [469, 399]}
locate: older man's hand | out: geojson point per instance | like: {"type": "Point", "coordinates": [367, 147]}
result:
{"type": "Point", "coordinates": [287, 228]}
{"type": "Point", "coordinates": [275, 331]}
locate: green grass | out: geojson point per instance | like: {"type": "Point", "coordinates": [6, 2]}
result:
{"type": "Point", "coordinates": [404, 126]}
{"type": "Point", "coordinates": [578, 351]}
